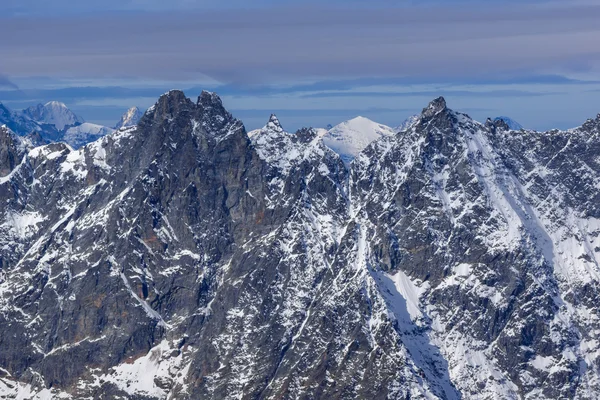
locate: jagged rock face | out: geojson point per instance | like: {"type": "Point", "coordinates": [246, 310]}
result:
{"type": "Point", "coordinates": [182, 259]}
{"type": "Point", "coordinates": [9, 157]}
{"type": "Point", "coordinates": [122, 208]}
{"type": "Point", "coordinates": [13, 148]}
{"type": "Point", "coordinates": [484, 221]}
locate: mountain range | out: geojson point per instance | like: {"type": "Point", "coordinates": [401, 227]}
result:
{"type": "Point", "coordinates": [55, 122]}
{"type": "Point", "coordinates": [185, 258]}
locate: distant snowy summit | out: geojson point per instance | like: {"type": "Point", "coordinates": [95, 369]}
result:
{"type": "Point", "coordinates": [512, 124]}
{"type": "Point", "coordinates": [130, 118]}
{"type": "Point", "coordinates": [55, 122]}
{"type": "Point", "coordinates": [350, 137]}
{"type": "Point", "coordinates": [53, 113]}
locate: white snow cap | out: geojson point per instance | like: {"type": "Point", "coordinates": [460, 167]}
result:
{"type": "Point", "coordinates": [58, 113]}
{"type": "Point", "coordinates": [350, 137]}
{"type": "Point", "coordinates": [55, 104]}
{"type": "Point", "coordinates": [54, 113]}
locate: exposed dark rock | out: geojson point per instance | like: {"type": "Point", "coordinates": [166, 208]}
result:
{"type": "Point", "coordinates": [180, 259]}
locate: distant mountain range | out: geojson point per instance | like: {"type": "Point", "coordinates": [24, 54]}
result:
{"type": "Point", "coordinates": [55, 122]}
{"type": "Point", "coordinates": [53, 113]}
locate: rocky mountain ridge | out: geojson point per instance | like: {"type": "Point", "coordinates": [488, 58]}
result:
{"type": "Point", "coordinates": [181, 258]}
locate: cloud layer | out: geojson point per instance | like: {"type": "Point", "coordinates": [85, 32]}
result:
{"type": "Point", "coordinates": [257, 46]}
{"type": "Point", "coordinates": [300, 54]}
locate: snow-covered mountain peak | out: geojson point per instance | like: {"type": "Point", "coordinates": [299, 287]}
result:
{"type": "Point", "coordinates": [359, 119]}
{"type": "Point", "coordinates": [173, 96]}
{"type": "Point", "coordinates": [273, 126]}
{"type": "Point", "coordinates": [130, 118]}
{"type": "Point", "coordinates": [18, 122]}
{"type": "Point", "coordinates": [285, 150]}
{"type": "Point", "coordinates": [176, 114]}
{"type": "Point", "coordinates": [53, 113]}
{"type": "Point", "coordinates": [595, 120]}
{"type": "Point", "coordinates": [55, 105]}
{"type": "Point", "coordinates": [350, 137]}
{"type": "Point", "coordinates": [274, 123]}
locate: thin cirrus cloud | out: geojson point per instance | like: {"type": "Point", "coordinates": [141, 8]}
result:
{"type": "Point", "coordinates": [70, 7]}
{"type": "Point", "coordinates": [455, 93]}
{"type": "Point", "coordinates": [7, 83]}
{"type": "Point", "coordinates": [302, 50]}
{"type": "Point", "coordinates": [253, 46]}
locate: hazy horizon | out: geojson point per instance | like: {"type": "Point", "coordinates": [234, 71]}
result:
{"type": "Point", "coordinates": [536, 62]}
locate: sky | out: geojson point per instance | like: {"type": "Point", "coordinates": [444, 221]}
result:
{"type": "Point", "coordinates": [312, 63]}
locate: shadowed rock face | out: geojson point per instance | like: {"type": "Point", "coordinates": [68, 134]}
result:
{"type": "Point", "coordinates": [9, 155]}
{"type": "Point", "coordinates": [180, 259]}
